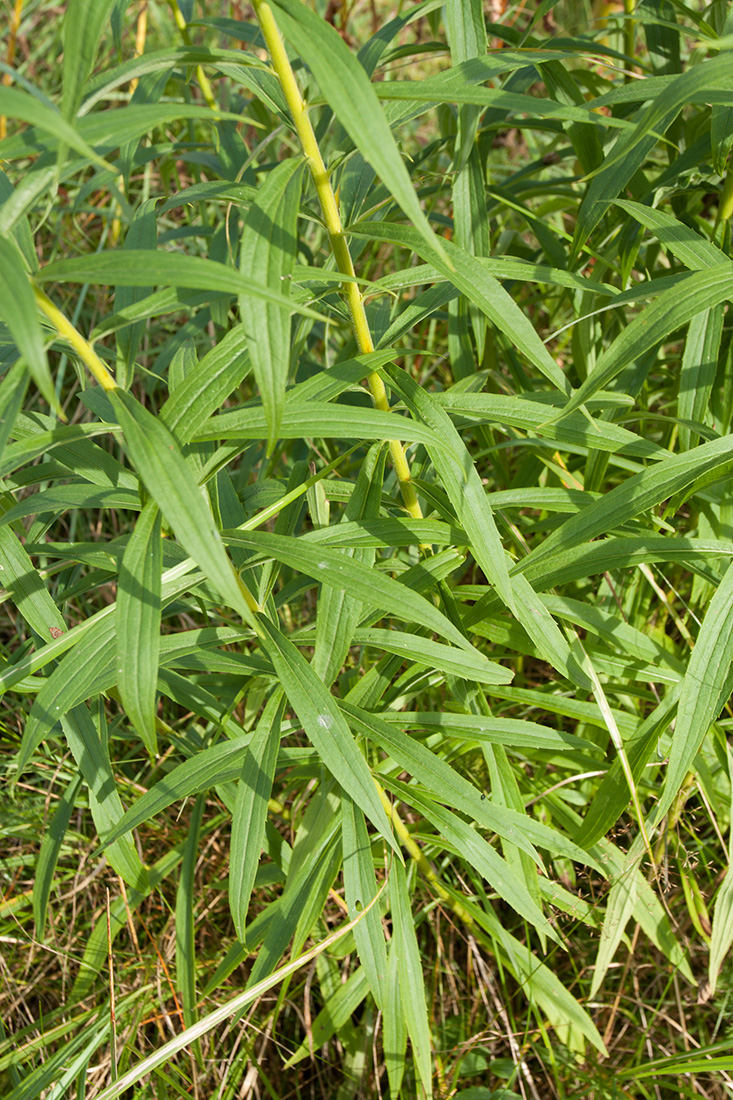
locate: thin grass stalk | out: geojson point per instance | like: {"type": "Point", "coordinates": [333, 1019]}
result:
{"type": "Point", "coordinates": [230, 1008]}
{"type": "Point", "coordinates": [334, 228]}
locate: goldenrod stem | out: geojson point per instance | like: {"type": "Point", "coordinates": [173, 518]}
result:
{"type": "Point", "coordinates": [334, 228]}
{"type": "Point", "coordinates": [82, 347]}
{"type": "Point", "coordinates": [203, 79]}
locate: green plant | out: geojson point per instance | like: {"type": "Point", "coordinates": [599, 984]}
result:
{"type": "Point", "coordinates": [473, 676]}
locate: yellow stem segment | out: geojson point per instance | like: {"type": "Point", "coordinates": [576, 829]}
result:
{"type": "Point", "coordinates": [334, 228]}
{"type": "Point", "coordinates": [201, 76]}
{"type": "Point", "coordinates": [82, 347]}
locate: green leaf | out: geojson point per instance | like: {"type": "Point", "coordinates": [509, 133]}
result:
{"type": "Point", "coordinates": [185, 919]}
{"type": "Point", "coordinates": [423, 651]}
{"type": "Point", "coordinates": [708, 82]}
{"type": "Point", "coordinates": [142, 267]}
{"type": "Point", "coordinates": [206, 386]}
{"type": "Point", "coordinates": [208, 768]}
{"type": "Point", "coordinates": [169, 480]}
{"type": "Point", "coordinates": [142, 235]}
{"type": "Point", "coordinates": [316, 420]}
{"type": "Point", "coordinates": [48, 855]}
{"type": "Point", "coordinates": [84, 22]}
{"type": "Point", "coordinates": [721, 936]}
{"type": "Point", "coordinates": [17, 104]}
{"type": "Point", "coordinates": [480, 287]}
{"type": "Point", "coordinates": [409, 970]}
{"type": "Point", "coordinates": [250, 812]}
{"type": "Point", "coordinates": [18, 310]}
{"type": "Point", "coordinates": [360, 887]}
{"type": "Point", "coordinates": [353, 100]}
{"type": "Point", "coordinates": [447, 785]}
{"type": "Point", "coordinates": [685, 244]}
{"type": "Point", "coordinates": [333, 568]}
{"type": "Point", "coordinates": [478, 853]}
{"type": "Point", "coordinates": [705, 688]}
{"type": "Point", "coordinates": [395, 1027]}
{"type": "Point", "coordinates": [673, 308]}
{"type": "Point", "coordinates": [87, 740]}
{"type": "Point", "coordinates": [22, 581]}
{"type": "Point", "coordinates": [267, 256]}
{"type": "Point", "coordinates": [699, 368]}
{"type": "Point", "coordinates": [325, 727]}
{"type": "Point", "coordinates": [631, 498]}
{"type": "Point", "coordinates": [469, 498]}
{"type": "Point", "coordinates": [138, 623]}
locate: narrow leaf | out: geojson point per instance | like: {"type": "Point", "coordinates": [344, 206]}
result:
{"type": "Point", "coordinates": [138, 623]}
{"type": "Point", "coordinates": [267, 256]}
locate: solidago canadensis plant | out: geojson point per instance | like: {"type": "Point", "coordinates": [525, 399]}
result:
{"type": "Point", "coordinates": [365, 433]}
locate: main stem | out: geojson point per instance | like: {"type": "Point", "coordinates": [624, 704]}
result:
{"type": "Point", "coordinates": [334, 228]}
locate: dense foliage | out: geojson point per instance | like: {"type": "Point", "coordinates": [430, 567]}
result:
{"type": "Point", "coordinates": [366, 387]}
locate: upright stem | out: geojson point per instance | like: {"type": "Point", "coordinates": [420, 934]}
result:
{"type": "Point", "coordinates": [629, 35]}
{"type": "Point", "coordinates": [201, 76]}
{"type": "Point", "coordinates": [334, 228]}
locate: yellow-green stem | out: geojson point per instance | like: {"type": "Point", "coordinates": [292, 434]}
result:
{"type": "Point", "coordinates": [334, 228]}
{"type": "Point", "coordinates": [82, 347]}
{"type": "Point", "coordinates": [420, 859]}
{"type": "Point", "coordinates": [201, 76]}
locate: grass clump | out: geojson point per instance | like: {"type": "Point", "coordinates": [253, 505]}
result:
{"type": "Point", "coordinates": [366, 405]}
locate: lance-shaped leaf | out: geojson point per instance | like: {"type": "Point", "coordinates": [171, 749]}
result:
{"type": "Point", "coordinates": [705, 689]}
{"type": "Point", "coordinates": [88, 743]}
{"type": "Point", "coordinates": [18, 310]}
{"type": "Point", "coordinates": [331, 567]}
{"type": "Point", "coordinates": [168, 478]}
{"type": "Point", "coordinates": [142, 235]}
{"type": "Point", "coordinates": [325, 726]}
{"type": "Point", "coordinates": [140, 267]}
{"type": "Point", "coordinates": [471, 277]}
{"type": "Point", "coordinates": [267, 255]}
{"type": "Point", "coordinates": [84, 22]}
{"type": "Point", "coordinates": [250, 811]}
{"type": "Point", "coordinates": [351, 97]}
{"type": "Point", "coordinates": [409, 970]}
{"type": "Point", "coordinates": [360, 887]}
{"type": "Point", "coordinates": [138, 623]}
{"type": "Point", "coordinates": [18, 104]}
{"type": "Point", "coordinates": [31, 597]}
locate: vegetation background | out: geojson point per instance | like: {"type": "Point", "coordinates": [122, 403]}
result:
{"type": "Point", "coordinates": [332, 766]}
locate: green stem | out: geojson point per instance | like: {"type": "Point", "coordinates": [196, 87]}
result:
{"type": "Point", "coordinates": [334, 228]}
{"type": "Point", "coordinates": [629, 35]}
